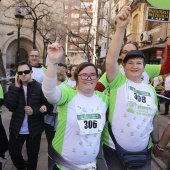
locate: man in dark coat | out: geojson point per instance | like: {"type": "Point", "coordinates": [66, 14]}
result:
{"type": "Point", "coordinates": [24, 99]}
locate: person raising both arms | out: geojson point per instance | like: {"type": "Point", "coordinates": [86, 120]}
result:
{"type": "Point", "coordinates": [133, 103]}
{"type": "Point", "coordinates": [81, 115]}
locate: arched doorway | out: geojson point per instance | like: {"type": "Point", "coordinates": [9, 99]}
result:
{"type": "Point", "coordinates": [23, 55]}
{"type": "Point", "coordinates": [25, 48]}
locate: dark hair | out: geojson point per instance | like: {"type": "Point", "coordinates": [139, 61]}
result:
{"type": "Point", "coordinates": [23, 63]}
{"type": "Point", "coordinates": [81, 66]}
{"type": "Point", "coordinates": [70, 69]}
{"type": "Point", "coordinates": [61, 64]}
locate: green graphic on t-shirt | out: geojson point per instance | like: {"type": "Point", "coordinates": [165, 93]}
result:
{"type": "Point", "coordinates": [77, 133]}
{"type": "Point", "coordinates": [90, 144]}
{"type": "Point", "coordinates": [122, 130]}
{"type": "Point", "coordinates": [132, 106]}
{"type": "Point", "coordinates": [88, 116]}
{"type": "Point", "coordinates": [132, 134]}
{"type": "Point", "coordinates": [138, 127]}
{"type": "Point", "coordinates": [74, 150]}
{"type": "Point", "coordinates": [128, 124]}
{"type": "Point", "coordinates": [142, 93]}
{"type": "Point", "coordinates": [85, 152]}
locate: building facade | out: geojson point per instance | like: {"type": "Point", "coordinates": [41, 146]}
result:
{"type": "Point", "coordinates": [9, 30]}
{"type": "Point", "coordinates": [149, 36]}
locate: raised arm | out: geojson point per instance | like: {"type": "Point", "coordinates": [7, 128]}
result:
{"type": "Point", "coordinates": [51, 92]}
{"type": "Point", "coordinates": [122, 19]}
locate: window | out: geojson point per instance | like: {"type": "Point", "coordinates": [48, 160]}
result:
{"type": "Point", "coordinates": [81, 45]}
{"type": "Point", "coordinates": [65, 15]}
{"type": "Point", "coordinates": [86, 5]}
{"type": "Point", "coordinates": [101, 21]}
{"type": "Point", "coordinates": [84, 30]}
{"type": "Point", "coordinates": [73, 47]}
{"type": "Point", "coordinates": [74, 23]}
{"type": "Point", "coordinates": [85, 21]}
{"type": "Point", "coordinates": [75, 7]}
{"type": "Point", "coordinates": [84, 15]}
{"type": "Point", "coordinates": [74, 15]}
{"type": "Point", "coordinates": [102, 4]}
{"type": "Point", "coordinates": [73, 39]}
{"type": "Point", "coordinates": [75, 31]}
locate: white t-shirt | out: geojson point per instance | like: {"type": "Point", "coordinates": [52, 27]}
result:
{"type": "Point", "coordinates": [167, 83]}
{"type": "Point", "coordinates": [155, 81]}
{"type": "Point", "coordinates": [24, 128]}
{"type": "Point", "coordinates": [38, 74]}
{"type": "Point", "coordinates": [71, 82]}
{"type": "Point", "coordinates": [76, 138]}
{"type": "Point", "coordinates": [132, 109]}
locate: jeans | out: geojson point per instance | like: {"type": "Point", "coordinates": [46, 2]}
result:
{"type": "Point", "coordinates": [32, 146]}
{"type": "Point", "coordinates": [113, 162]}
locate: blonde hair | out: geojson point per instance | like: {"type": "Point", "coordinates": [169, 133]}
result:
{"type": "Point", "coordinates": [61, 74]}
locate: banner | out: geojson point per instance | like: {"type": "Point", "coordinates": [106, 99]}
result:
{"type": "Point", "coordinates": [163, 4]}
{"type": "Point", "coordinates": [155, 14]}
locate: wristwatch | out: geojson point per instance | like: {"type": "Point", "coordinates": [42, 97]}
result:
{"type": "Point", "coordinates": [160, 149]}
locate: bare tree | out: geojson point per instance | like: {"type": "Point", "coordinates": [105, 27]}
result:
{"type": "Point", "coordinates": [32, 10]}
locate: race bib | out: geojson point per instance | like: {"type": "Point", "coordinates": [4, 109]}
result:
{"type": "Point", "coordinates": [89, 123]}
{"type": "Point", "coordinates": [139, 102]}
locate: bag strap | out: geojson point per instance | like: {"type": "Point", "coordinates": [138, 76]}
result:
{"type": "Point", "coordinates": [111, 133]}
{"type": "Point", "coordinates": [58, 159]}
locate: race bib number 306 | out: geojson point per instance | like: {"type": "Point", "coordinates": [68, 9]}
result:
{"type": "Point", "coordinates": [90, 123]}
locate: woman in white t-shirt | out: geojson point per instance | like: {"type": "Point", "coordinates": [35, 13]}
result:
{"type": "Point", "coordinates": [71, 80]}
{"type": "Point", "coordinates": [81, 115]}
{"type": "Point", "coordinates": [133, 106]}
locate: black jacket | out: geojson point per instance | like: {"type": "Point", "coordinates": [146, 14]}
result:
{"type": "Point", "coordinates": [14, 100]}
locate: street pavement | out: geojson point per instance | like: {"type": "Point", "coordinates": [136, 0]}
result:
{"type": "Point", "coordinates": [43, 156]}
{"type": "Point", "coordinates": [42, 160]}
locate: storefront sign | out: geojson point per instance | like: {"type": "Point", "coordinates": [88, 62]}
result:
{"type": "Point", "coordinates": [159, 53]}
{"type": "Point", "coordinates": [154, 14]}
{"type": "Point", "coordinates": [163, 4]}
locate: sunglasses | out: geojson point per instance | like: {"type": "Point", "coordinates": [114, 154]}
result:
{"type": "Point", "coordinates": [25, 72]}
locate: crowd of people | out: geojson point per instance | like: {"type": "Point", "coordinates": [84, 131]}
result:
{"type": "Point", "coordinates": [82, 106]}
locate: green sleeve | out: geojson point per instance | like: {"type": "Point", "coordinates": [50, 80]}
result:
{"type": "Point", "coordinates": [44, 69]}
{"type": "Point", "coordinates": [152, 70]}
{"type": "Point", "coordinates": [160, 77]}
{"type": "Point", "coordinates": [103, 80]}
{"type": "Point", "coordinates": [1, 92]}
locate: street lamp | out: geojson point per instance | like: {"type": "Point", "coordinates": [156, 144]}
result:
{"type": "Point", "coordinates": [19, 20]}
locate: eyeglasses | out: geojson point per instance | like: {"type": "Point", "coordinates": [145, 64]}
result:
{"type": "Point", "coordinates": [124, 52]}
{"type": "Point", "coordinates": [25, 72]}
{"type": "Point", "coordinates": [34, 56]}
{"type": "Point", "coordinates": [85, 76]}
